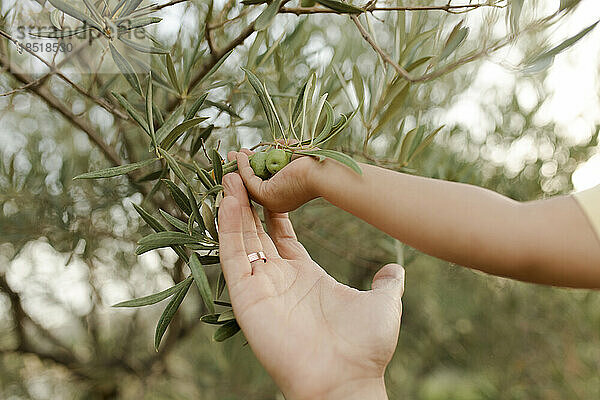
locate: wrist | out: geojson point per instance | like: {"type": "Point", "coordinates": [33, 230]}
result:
{"type": "Point", "coordinates": [359, 389]}
{"type": "Point", "coordinates": [328, 177]}
{"type": "Point", "coordinates": [315, 174]}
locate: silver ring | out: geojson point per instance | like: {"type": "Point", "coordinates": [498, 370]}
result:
{"type": "Point", "coordinates": [259, 255]}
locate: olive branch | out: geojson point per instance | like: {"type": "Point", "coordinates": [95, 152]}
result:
{"type": "Point", "coordinates": [192, 232]}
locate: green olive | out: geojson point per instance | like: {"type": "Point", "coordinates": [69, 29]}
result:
{"type": "Point", "coordinates": [308, 3]}
{"type": "Point", "coordinates": [276, 160]}
{"type": "Point", "coordinates": [259, 166]}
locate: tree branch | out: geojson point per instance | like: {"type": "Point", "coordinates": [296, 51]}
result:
{"type": "Point", "coordinates": [54, 70]}
{"type": "Point", "coordinates": [404, 73]}
{"type": "Point", "coordinates": [57, 105]}
{"type": "Point", "coordinates": [449, 8]}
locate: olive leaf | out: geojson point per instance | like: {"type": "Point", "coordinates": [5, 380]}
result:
{"type": "Point", "coordinates": [149, 110]}
{"type": "Point", "coordinates": [202, 282]}
{"type": "Point", "coordinates": [408, 141]}
{"type": "Point", "coordinates": [220, 285]}
{"type": "Point", "coordinates": [154, 298]}
{"type": "Point", "coordinates": [546, 59]}
{"type": "Point", "coordinates": [115, 171]}
{"type": "Point", "coordinates": [342, 8]}
{"type": "Point", "coordinates": [196, 106]}
{"type": "Point", "coordinates": [217, 163]}
{"type": "Point", "coordinates": [180, 198]}
{"type": "Point", "coordinates": [158, 227]}
{"type": "Point", "coordinates": [169, 312]}
{"type": "Point", "coordinates": [393, 109]}
{"type": "Point", "coordinates": [317, 115]}
{"type": "Point", "coordinates": [209, 220]}
{"type": "Point", "coordinates": [225, 331]}
{"type": "Point", "coordinates": [424, 144]}
{"type": "Point", "coordinates": [455, 39]}
{"type": "Point", "coordinates": [179, 130]}
{"type": "Point", "coordinates": [334, 155]}
{"type": "Point", "coordinates": [172, 73]}
{"type": "Point", "coordinates": [131, 6]}
{"type": "Point", "coordinates": [169, 124]}
{"type": "Point", "coordinates": [178, 224]}
{"type": "Point", "coordinates": [324, 135]}
{"type": "Point", "coordinates": [416, 64]}
{"type": "Point", "coordinates": [226, 316]}
{"type": "Point", "coordinates": [298, 106]}
{"type": "Point", "coordinates": [118, 7]}
{"type": "Point", "coordinates": [160, 240]}
{"type": "Point", "coordinates": [151, 176]}
{"type": "Point", "coordinates": [150, 220]}
{"type": "Point", "coordinates": [190, 59]}
{"type": "Point", "coordinates": [260, 90]}
{"type": "Point", "coordinates": [195, 216]}
{"type": "Point", "coordinates": [209, 260]}
{"type": "Point", "coordinates": [338, 127]}
{"type": "Point", "coordinates": [132, 112]}
{"type": "Point", "coordinates": [205, 178]}
{"type": "Point", "coordinates": [212, 319]}
{"type": "Point", "coordinates": [173, 165]}
{"type": "Point", "coordinates": [216, 66]}
{"type": "Point", "coordinates": [265, 19]}
{"type": "Point", "coordinates": [126, 69]}
{"type": "Point", "coordinates": [142, 47]}
{"type": "Point", "coordinates": [93, 10]}
{"type": "Point", "coordinates": [75, 13]}
{"type": "Point", "coordinates": [516, 7]}
{"type": "Point", "coordinates": [359, 85]}
{"type": "Point", "coordinates": [223, 107]}
{"type": "Point", "coordinates": [56, 20]}
{"type": "Point", "coordinates": [136, 23]}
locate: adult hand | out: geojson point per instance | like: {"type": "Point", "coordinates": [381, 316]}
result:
{"type": "Point", "coordinates": [317, 338]}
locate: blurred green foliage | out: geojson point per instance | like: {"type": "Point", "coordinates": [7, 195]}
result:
{"type": "Point", "coordinates": [67, 248]}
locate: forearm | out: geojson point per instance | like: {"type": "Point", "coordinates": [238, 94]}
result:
{"type": "Point", "coordinates": [461, 223]}
{"type": "Point", "coordinates": [363, 389]}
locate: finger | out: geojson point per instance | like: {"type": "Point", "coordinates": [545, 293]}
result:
{"type": "Point", "coordinates": [231, 155]}
{"type": "Point", "coordinates": [252, 182]}
{"type": "Point", "coordinates": [232, 252]}
{"type": "Point", "coordinates": [390, 280]}
{"type": "Point", "coordinates": [282, 232]}
{"type": "Point", "coordinates": [234, 187]}
{"type": "Point", "coordinates": [268, 245]}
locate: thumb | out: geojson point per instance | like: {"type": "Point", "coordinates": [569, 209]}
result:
{"type": "Point", "coordinates": [390, 279]}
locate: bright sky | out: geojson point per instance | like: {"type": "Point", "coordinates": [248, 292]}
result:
{"type": "Point", "coordinates": [574, 81]}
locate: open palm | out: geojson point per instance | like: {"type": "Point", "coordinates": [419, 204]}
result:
{"type": "Point", "coordinates": [316, 337]}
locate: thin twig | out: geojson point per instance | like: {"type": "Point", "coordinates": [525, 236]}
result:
{"type": "Point", "coordinates": [54, 70]}
{"type": "Point", "coordinates": [207, 30]}
{"type": "Point", "coordinates": [57, 105]}
{"type": "Point", "coordinates": [242, 14]}
{"type": "Point", "coordinates": [372, 7]}
{"type": "Point", "coordinates": [404, 73]}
